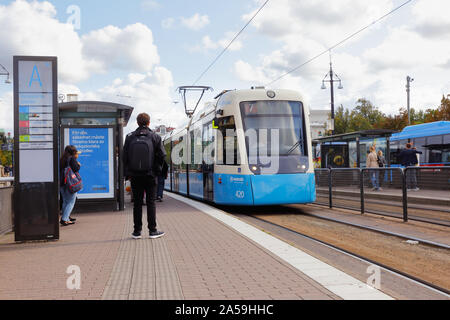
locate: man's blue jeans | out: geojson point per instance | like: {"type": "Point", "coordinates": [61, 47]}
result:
{"type": "Point", "coordinates": [69, 200]}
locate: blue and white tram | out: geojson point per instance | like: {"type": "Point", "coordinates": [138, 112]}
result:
{"type": "Point", "coordinates": [255, 149]}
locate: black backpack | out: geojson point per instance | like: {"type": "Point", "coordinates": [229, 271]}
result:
{"type": "Point", "coordinates": [141, 153]}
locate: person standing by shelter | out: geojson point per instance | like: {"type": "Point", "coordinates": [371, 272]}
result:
{"type": "Point", "coordinates": [372, 162]}
{"type": "Point", "coordinates": [408, 158]}
{"type": "Point", "coordinates": [381, 159]}
{"type": "Point", "coordinates": [143, 158]}
{"type": "Point", "coordinates": [68, 159]}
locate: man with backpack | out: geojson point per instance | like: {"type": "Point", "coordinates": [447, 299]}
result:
{"type": "Point", "coordinates": [408, 158]}
{"type": "Point", "coordinates": [143, 158]}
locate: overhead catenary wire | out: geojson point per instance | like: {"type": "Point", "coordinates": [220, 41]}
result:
{"type": "Point", "coordinates": [339, 43]}
{"type": "Point", "coordinates": [230, 43]}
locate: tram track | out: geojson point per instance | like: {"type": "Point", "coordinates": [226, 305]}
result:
{"type": "Point", "coordinates": [381, 208]}
{"type": "Point", "coordinates": [396, 267]}
{"type": "Point", "coordinates": [389, 233]}
{"type": "Point", "coordinates": [391, 269]}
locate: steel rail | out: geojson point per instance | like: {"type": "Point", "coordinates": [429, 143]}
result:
{"type": "Point", "coordinates": [424, 283]}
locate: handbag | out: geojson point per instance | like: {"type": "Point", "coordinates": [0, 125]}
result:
{"type": "Point", "coordinates": [72, 180]}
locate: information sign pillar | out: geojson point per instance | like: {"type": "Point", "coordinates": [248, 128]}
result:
{"type": "Point", "coordinates": [36, 187]}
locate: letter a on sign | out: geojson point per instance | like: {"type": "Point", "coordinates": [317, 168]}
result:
{"type": "Point", "coordinates": [35, 76]}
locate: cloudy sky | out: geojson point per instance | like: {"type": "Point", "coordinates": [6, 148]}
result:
{"type": "Point", "coordinates": [137, 52]}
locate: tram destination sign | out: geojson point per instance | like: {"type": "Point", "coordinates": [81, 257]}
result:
{"type": "Point", "coordinates": [35, 148]}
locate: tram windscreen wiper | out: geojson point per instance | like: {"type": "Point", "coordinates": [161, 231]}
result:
{"type": "Point", "coordinates": [295, 146]}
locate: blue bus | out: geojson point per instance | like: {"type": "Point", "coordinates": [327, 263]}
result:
{"type": "Point", "coordinates": [433, 139]}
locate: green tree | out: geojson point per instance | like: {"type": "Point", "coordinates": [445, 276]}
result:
{"type": "Point", "coordinates": [5, 158]}
{"type": "Point", "coordinates": [442, 113]}
{"type": "Point", "coordinates": [342, 120]}
{"type": "Point", "coordinates": [366, 109]}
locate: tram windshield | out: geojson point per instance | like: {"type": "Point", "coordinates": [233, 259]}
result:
{"type": "Point", "coordinates": [284, 116]}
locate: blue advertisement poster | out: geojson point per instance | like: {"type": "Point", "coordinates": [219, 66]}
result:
{"type": "Point", "coordinates": [96, 159]}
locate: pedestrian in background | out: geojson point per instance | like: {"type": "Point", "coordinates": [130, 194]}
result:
{"type": "Point", "coordinates": [161, 181]}
{"type": "Point", "coordinates": [381, 164]}
{"type": "Point", "coordinates": [408, 158]}
{"type": "Point", "coordinates": [372, 162]}
{"type": "Point", "coordinates": [68, 159]}
{"type": "Point", "coordinates": [381, 159]}
{"type": "Point", "coordinates": [143, 158]}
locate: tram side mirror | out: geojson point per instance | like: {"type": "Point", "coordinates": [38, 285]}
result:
{"type": "Point", "coordinates": [215, 123]}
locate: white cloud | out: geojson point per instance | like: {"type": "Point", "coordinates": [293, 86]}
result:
{"type": "Point", "coordinates": [30, 28]}
{"type": "Point", "coordinates": [431, 18]}
{"type": "Point", "coordinates": [373, 64]}
{"type": "Point", "coordinates": [209, 44]}
{"type": "Point", "coordinates": [325, 21]}
{"type": "Point", "coordinates": [130, 48]}
{"type": "Point", "coordinates": [150, 92]}
{"type": "Point", "coordinates": [196, 22]}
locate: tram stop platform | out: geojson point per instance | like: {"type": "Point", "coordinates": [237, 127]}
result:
{"type": "Point", "coordinates": [206, 254]}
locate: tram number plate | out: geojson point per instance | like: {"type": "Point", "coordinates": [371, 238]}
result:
{"type": "Point", "coordinates": [240, 194]}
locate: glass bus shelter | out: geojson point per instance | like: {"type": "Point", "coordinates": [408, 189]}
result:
{"type": "Point", "coordinates": [96, 129]}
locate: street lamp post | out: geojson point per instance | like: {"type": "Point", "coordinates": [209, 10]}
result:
{"type": "Point", "coordinates": [5, 72]}
{"type": "Point", "coordinates": [408, 91]}
{"type": "Point", "coordinates": [331, 75]}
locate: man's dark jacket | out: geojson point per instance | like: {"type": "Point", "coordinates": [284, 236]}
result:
{"type": "Point", "coordinates": [158, 148]}
{"type": "Point", "coordinates": [408, 157]}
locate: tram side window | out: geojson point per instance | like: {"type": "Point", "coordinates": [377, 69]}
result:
{"type": "Point", "coordinates": [208, 140]}
{"type": "Point", "coordinates": [196, 150]}
{"type": "Point", "coordinates": [446, 150]}
{"type": "Point", "coordinates": [181, 154]}
{"type": "Point", "coordinates": [395, 150]}
{"type": "Point", "coordinates": [435, 148]}
{"type": "Point", "coordinates": [167, 147]}
{"type": "Point", "coordinates": [420, 145]}
{"type": "Point", "coordinates": [227, 143]}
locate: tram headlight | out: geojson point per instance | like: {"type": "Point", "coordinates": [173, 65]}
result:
{"type": "Point", "coordinates": [254, 168]}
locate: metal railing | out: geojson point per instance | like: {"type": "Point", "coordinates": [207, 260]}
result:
{"type": "Point", "coordinates": [6, 214]}
{"type": "Point", "coordinates": [413, 193]}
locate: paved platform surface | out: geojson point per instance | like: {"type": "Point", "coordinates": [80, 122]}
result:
{"type": "Point", "coordinates": [199, 258]}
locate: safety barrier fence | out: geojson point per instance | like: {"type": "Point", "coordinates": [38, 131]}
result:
{"type": "Point", "coordinates": [413, 193]}
{"type": "Point", "coordinates": [6, 182]}
{"type": "Point", "coordinates": [6, 212]}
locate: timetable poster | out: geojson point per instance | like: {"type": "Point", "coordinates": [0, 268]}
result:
{"type": "Point", "coordinates": [35, 121]}
{"type": "Point", "coordinates": [96, 159]}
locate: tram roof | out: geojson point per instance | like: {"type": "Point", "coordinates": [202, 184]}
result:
{"type": "Point", "coordinates": [423, 130]}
